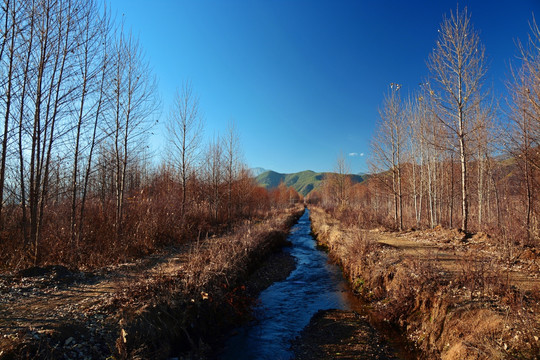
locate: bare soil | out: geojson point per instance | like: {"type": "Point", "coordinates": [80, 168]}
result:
{"type": "Point", "coordinates": [339, 334]}
{"type": "Point", "coordinates": [68, 311]}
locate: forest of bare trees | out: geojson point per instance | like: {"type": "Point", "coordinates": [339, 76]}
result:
{"type": "Point", "coordinates": [78, 184]}
{"type": "Point", "coordinates": [450, 154]}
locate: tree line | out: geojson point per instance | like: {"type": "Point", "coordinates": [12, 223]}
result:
{"type": "Point", "coordinates": [448, 154]}
{"type": "Point", "coordinates": [78, 184]}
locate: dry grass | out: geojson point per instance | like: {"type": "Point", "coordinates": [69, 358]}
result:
{"type": "Point", "coordinates": [152, 220]}
{"type": "Point", "coordinates": [152, 308]}
{"type": "Point", "coordinates": [451, 297]}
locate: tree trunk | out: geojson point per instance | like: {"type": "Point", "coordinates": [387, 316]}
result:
{"type": "Point", "coordinates": [7, 111]}
{"type": "Point", "coordinates": [464, 198]}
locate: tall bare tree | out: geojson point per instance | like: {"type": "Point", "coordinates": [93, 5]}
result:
{"type": "Point", "coordinates": [134, 103]}
{"type": "Point", "coordinates": [415, 144]}
{"type": "Point", "coordinates": [10, 35]}
{"type": "Point", "coordinates": [92, 66]}
{"type": "Point", "coordinates": [52, 88]}
{"type": "Point", "coordinates": [231, 144]}
{"type": "Point", "coordinates": [457, 70]}
{"type": "Point", "coordinates": [185, 128]}
{"type": "Point", "coordinates": [525, 135]}
{"type": "Point", "coordinates": [388, 145]}
{"type": "Point", "coordinates": [28, 22]}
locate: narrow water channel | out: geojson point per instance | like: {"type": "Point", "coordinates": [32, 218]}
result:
{"type": "Point", "coordinates": [286, 307]}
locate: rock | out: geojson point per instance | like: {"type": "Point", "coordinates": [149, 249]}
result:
{"type": "Point", "coordinates": [69, 341]}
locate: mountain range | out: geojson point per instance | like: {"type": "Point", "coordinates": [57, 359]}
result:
{"type": "Point", "coordinates": [304, 181]}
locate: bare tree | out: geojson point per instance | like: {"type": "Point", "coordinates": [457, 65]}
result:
{"type": "Point", "coordinates": [525, 135]}
{"type": "Point", "coordinates": [185, 128]}
{"type": "Point", "coordinates": [28, 21]}
{"type": "Point", "coordinates": [232, 163]}
{"type": "Point", "coordinates": [388, 145]}
{"type": "Point", "coordinates": [53, 90]}
{"type": "Point", "coordinates": [415, 145]}
{"type": "Point", "coordinates": [483, 141]}
{"type": "Point", "coordinates": [93, 66]}
{"type": "Point", "coordinates": [338, 183]}
{"type": "Point", "coordinates": [457, 71]}
{"type": "Point", "coordinates": [213, 176]}
{"type": "Point", "coordinates": [11, 34]}
{"type": "Point", "coordinates": [134, 102]}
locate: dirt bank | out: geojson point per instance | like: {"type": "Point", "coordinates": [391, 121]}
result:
{"type": "Point", "coordinates": [170, 303]}
{"type": "Point", "coordinates": [277, 267]}
{"type": "Point", "coordinates": [450, 295]}
{"type": "Point", "coordinates": [339, 334]}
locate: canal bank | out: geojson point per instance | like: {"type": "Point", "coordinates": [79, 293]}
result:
{"type": "Point", "coordinates": [314, 297]}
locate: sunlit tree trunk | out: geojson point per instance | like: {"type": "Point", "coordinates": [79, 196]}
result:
{"type": "Point", "coordinates": [387, 147]}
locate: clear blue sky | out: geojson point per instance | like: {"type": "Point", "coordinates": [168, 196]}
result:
{"type": "Point", "coordinates": [303, 79]}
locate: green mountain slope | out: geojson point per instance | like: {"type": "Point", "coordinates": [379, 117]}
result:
{"type": "Point", "coordinates": [303, 182]}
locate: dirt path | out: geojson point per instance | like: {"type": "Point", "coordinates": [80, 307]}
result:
{"type": "Point", "coordinates": [452, 252]}
{"type": "Point", "coordinates": [454, 295]}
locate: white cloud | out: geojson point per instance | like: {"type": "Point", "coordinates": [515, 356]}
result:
{"type": "Point", "coordinates": [354, 154]}
{"type": "Point", "coordinates": [361, 154]}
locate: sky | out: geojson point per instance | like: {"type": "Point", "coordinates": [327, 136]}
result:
{"type": "Point", "coordinates": [303, 80]}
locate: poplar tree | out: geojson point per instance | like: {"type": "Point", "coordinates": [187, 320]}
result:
{"type": "Point", "coordinates": [457, 67]}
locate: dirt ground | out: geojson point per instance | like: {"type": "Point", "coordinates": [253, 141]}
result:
{"type": "Point", "coordinates": [57, 310]}
{"type": "Point", "coordinates": [339, 334]}
{"type": "Point", "coordinates": [453, 251]}
{"type": "Point", "coordinates": [73, 307]}
{"type": "Point", "coordinates": [454, 295]}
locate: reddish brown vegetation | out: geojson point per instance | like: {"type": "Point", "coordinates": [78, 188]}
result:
{"type": "Point", "coordinates": [77, 186]}
{"type": "Point", "coordinates": [152, 220]}
{"type": "Point", "coordinates": [157, 307]}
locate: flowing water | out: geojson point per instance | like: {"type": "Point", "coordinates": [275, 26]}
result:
{"type": "Point", "coordinates": [286, 307]}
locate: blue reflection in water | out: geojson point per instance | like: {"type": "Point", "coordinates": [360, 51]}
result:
{"type": "Point", "coordinates": [287, 306]}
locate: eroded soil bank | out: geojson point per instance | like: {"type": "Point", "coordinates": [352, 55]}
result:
{"type": "Point", "coordinates": [449, 295]}
{"type": "Point", "coordinates": [171, 304]}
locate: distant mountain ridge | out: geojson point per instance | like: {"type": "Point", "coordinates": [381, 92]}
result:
{"type": "Point", "coordinates": [304, 181]}
{"type": "Point", "coordinates": [257, 171]}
